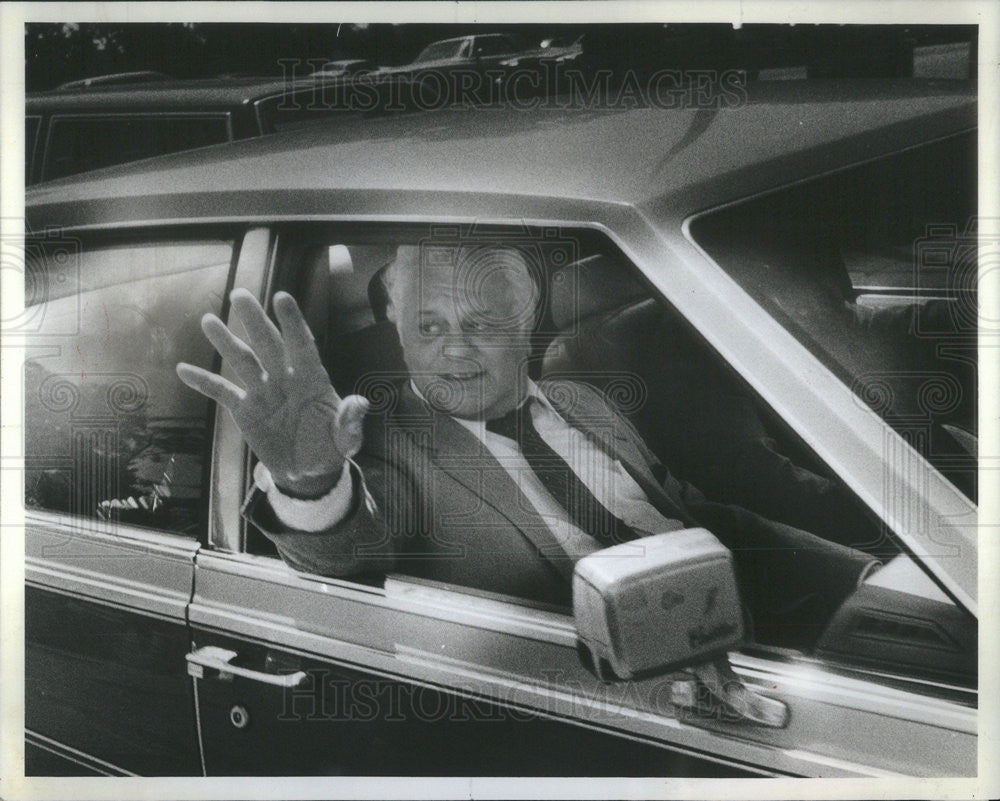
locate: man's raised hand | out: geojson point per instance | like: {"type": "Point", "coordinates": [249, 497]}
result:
{"type": "Point", "coordinates": [287, 410]}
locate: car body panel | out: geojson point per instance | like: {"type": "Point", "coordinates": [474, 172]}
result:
{"type": "Point", "coordinates": [136, 568]}
{"type": "Point", "coordinates": [347, 720]}
{"type": "Point", "coordinates": [105, 632]}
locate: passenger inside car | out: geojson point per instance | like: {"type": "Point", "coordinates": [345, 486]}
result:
{"type": "Point", "coordinates": [452, 463]}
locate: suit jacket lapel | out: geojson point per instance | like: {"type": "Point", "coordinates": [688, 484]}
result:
{"type": "Point", "coordinates": [459, 454]}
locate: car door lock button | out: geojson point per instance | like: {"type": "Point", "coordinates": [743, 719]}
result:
{"type": "Point", "coordinates": [239, 717]}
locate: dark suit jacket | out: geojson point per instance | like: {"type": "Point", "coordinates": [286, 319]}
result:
{"type": "Point", "coordinates": [431, 500]}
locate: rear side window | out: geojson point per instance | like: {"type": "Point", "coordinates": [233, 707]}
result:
{"type": "Point", "coordinates": [487, 46]}
{"type": "Point", "coordinates": [78, 144]}
{"type": "Point", "coordinates": [493, 45]}
{"type": "Point", "coordinates": [110, 432]}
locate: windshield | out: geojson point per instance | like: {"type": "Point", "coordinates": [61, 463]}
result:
{"type": "Point", "coordinates": [441, 50]}
{"type": "Point", "coordinates": [875, 270]}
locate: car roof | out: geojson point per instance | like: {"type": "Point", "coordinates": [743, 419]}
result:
{"type": "Point", "coordinates": [170, 94]}
{"type": "Point", "coordinates": [671, 161]}
{"type": "Point", "coordinates": [114, 78]}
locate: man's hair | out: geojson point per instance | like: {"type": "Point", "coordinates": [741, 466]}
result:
{"type": "Point", "coordinates": [476, 267]}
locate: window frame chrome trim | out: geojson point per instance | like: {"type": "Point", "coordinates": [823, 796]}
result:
{"type": "Point", "coordinates": [106, 583]}
{"type": "Point", "coordinates": [227, 487]}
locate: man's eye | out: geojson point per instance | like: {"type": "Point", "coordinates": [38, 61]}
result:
{"type": "Point", "coordinates": [430, 329]}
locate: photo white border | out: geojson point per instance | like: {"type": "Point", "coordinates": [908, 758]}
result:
{"type": "Point", "coordinates": [13, 15]}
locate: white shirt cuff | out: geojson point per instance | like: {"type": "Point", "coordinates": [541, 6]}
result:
{"type": "Point", "coordinates": [307, 515]}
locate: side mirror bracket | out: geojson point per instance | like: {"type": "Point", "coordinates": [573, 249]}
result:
{"type": "Point", "coordinates": [663, 604]}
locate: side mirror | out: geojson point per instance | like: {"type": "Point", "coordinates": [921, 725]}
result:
{"type": "Point", "coordinates": [666, 603]}
{"type": "Point", "coordinates": [657, 604]}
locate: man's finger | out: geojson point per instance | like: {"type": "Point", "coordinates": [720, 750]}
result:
{"type": "Point", "coordinates": [261, 332]}
{"type": "Point", "coordinates": [232, 349]}
{"type": "Point", "coordinates": [211, 385]}
{"type": "Point", "coordinates": [299, 341]}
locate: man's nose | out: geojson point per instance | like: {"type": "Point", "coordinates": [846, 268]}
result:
{"type": "Point", "coordinates": [460, 346]}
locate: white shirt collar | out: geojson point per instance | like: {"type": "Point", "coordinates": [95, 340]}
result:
{"type": "Point", "coordinates": [478, 427]}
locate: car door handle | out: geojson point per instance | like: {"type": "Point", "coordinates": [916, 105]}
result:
{"type": "Point", "coordinates": [219, 659]}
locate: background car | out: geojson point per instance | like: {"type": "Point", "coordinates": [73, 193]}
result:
{"type": "Point", "coordinates": [480, 53]}
{"type": "Point", "coordinates": [74, 129]}
{"type": "Point", "coordinates": [345, 66]}
{"type": "Point", "coordinates": [562, 50]}
{"type": "Point", "coordinates": [163, 634]}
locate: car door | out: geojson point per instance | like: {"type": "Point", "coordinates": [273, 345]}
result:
{"type": "Point", "coordinates": [115, 494]}
{"type": "Point", "coordinates": [297, 673]}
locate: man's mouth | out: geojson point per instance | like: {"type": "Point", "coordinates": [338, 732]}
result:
{"type": "Point", "coordinates": [469, 375]}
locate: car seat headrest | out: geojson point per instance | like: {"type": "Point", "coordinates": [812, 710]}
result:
{"type": "Point", "coordinates": [593, 285]}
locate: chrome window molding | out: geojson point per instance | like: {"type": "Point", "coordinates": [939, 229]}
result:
{"type": "Point", "coordinates": [229, 477]}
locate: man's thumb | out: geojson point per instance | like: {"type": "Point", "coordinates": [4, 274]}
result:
{"type": "Point", "coordinates": [350, 417]}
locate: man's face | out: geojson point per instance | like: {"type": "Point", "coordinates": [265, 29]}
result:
{"type": "Point", "coordinates": [463, 320]}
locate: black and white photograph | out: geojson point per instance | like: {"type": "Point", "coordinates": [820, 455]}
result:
{"type": "Point", "coordinates": [499, 400]}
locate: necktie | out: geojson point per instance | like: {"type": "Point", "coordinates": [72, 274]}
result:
{"type": "Point", "coordinates": [583, 509]}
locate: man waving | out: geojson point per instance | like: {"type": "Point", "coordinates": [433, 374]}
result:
{"type": "Point", "coordinates": [469, 472]}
